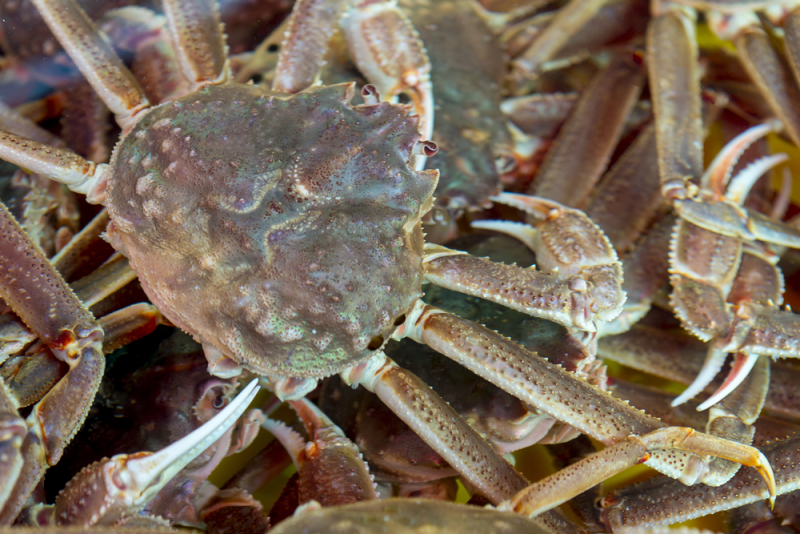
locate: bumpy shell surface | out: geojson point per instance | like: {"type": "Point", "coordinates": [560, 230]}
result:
{"type": "Point", "coordinates": [283, 230]}
{"type": "Point", "coordinates": [407, 516]}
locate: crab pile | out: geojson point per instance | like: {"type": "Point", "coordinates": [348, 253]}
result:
{"type": "Point", "coordinates": [467, 209]}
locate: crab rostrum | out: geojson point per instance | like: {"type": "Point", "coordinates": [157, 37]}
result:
{"type": "Point", "coordinates": [283, 231]}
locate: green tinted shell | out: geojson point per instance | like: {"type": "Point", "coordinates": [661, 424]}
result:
{"type": "Point", "coordinates": [283, 230]}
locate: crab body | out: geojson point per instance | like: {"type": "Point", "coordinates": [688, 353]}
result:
{"type": "Point", "coordinates": [283, 231]}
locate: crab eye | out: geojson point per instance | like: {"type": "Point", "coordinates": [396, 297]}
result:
{"type": "Point", "coordinates": [218, 402]}
{"type": "Point", "coordinates": [375, 343]}
{"type": "Point", "coordinates": [400, 320]}
{"type": "Point", "coordinates": [256, 78]}
{"type": "Point", "coordinates": [274, 47]}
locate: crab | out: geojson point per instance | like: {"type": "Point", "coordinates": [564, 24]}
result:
{"type": "Point", "coordinates": [283, 232]}
{"type": "Point", "coordinates": [750, 324]}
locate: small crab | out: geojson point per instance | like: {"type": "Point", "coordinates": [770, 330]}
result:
{"type": "Point", "coordinates": [284, 233]}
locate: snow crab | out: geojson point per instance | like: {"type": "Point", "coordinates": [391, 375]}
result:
{"type": "Point", "coordinates": [284, 233]}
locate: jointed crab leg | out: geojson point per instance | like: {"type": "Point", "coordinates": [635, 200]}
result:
{"type": "Point", "coordinates": [554, 391]}
{"type": "Point", "coordinates": [101, 67]}
{"type": "Point", "coordinates": [47, 305]}
{"type": "Point", "coordinates": [12, 432]}
{"type": "Point", "coordinates": [105, 491]}
{"type": "Point", "coordinates": [199, 44]}
{"type": "Point", "coordinates": [414, 402]}
{"type": "Point", "coordinates": [565, 24]}
{"type": "Point", "coordinates": [636, 505]}
{"type": "Point", "coordinates": [330, 467]}
{"type": "Point", "coordinates": [446, 432]}
{"type": "Point", "coordinates": [679, 357]}
{"type": "Point", "coordinates": [574, 285]}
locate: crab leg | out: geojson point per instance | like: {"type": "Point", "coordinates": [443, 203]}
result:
{"type": "Point", "coordinates": [678, 356]}
{"type": "Point", "coordinates": [446, 432]}
{"type": "Point", "coordinates": [607, 100]}
{"type": "Point", "coordinates": [663, 502]}
{"type": "Point", "coordinates": [646, 269]}
{"type": "Point", "coordinates": [565, 24]}
{"type": "Point", "coordinates": [575, 285]}
{"type": "Point", "coordinates": [657, 403]}
{"type": "Point", "coordinates": [112, 81]}
{"type": "Point", "coordinates": [554, 391]}
{"type": "Point", "coordinates": [196, 30]}
{"type": "Point", "coordinates": [581, 476]}
{"type": "Point", "coordinates": [30, 376]}
{"type": "Point", "coordinates": [48, 306]}
{"type": "Point", "coordinates": [625, 201]}
{"type": "Point", "coordinates": [414, 402]}
{"type": "Point", "coordinates": [105, 491]}
{"type": "Point", "coordinates": [12, 432]}
{"type": "Point", "coordinates": [765, 66]}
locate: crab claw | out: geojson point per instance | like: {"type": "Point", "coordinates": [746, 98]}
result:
{"type": "Point", "coordinates": [742, 365]}
{"type": "Point", "coordinates": [106, 491]}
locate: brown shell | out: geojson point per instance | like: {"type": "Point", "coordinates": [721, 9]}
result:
{"type": "Point", "coordinates": [284, 230]}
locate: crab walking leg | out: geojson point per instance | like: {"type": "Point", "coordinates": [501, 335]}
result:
{"type": "Point", "coordinates": [446, 432]}
{"type": "Point", "coordinates": [765, 66]}
{"type": "Point", "coordinates": [14, 335]}
{"type": "Point", "coordinates": [57, 164]}
{"type": "Point", "coordinates": [106, 491]}
{"type": "Point", "coordinates": [672, 65]}
{"type": "Point", "coordinates": [13, 122]}
{"type": "Point", "coordinates": [37, 293]}
{"type": "Point", "coordinates": [646, 269]}
{"type": "Point", "coordinates": [607, 100]}
{"type": "Point", "coordinates": [554, 391]}
{"type": "Point", "coordinates": [12, 432]}
{"type": "Point", "coordinates": [575, 285]}
{"type": "Point", "coordinates": [662, 502]}
{"type": "Point", "coordinates": [679, 356]}
{"type": "Point", "coordinates": [566, 23]}
{"type": "Point", "coordinates": [30, 377]}
{"type": "Point", "coordinates": [305, 43]}
{"type": "Point", "coordinates": [629, 195]}
{"type": "Point", "coordinates": [198, 40]}
{"type": "Point", "coordinates": [83, 249]}
{"type": "Point", "coordinates": [581, 476]}
{"type": "Point", "coordinates": [95, 58]}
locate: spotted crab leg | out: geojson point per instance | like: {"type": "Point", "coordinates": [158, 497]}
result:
{"type": "Point", "coordinates": [195, 28]}
{"type": "Point", "coordinates": [575, 285]}
{"type": "Point", "coordinates": [13, 431]}
{"type": "Point", "coordinates": [99, 64]}
{"type": "Point", "coordinates": [663, 502]}
{"type": "Point", "coordinates": [446, 432]}
{"type": "Point", "coordinates": [554, 391]}
{"type": "Point", "coordinates": [106, 491]}
{"type": "Point", "coordinates": [48, 306]}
